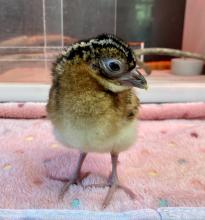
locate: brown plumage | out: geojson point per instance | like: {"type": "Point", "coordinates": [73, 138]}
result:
{"type": "Point", "coordinates": [91, 103]}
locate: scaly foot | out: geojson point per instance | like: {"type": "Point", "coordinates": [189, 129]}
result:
{"type": "Point", "coordinates": [113, 183]}
{"type": "Point", "coordinates": [75, 179]}
{"type": "Point", "coordinates": [113, 186]}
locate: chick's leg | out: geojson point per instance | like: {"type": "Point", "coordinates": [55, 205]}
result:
{"type": "Point", "coordinates": [76, 177]}
{"type": "Point", "coordinates": [113, 183]}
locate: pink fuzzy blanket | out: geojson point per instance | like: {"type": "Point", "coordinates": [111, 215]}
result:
{"type": "Point", "coordinates": [147, 111]}
{"type": "Point", "coordinates": [164, 168]}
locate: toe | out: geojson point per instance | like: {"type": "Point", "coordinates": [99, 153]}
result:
{"type": "Point", "coordinates": [62, 179]}
{"type": "Point", "coordinates": [128, 191]}
{"type": "Point", "coordinates": [64, 190]}
{"type": "Point", "coordinates": [109, 196]}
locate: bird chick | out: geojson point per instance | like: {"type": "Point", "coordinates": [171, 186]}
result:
{"type": "Point", "coordinates": [92, 105]}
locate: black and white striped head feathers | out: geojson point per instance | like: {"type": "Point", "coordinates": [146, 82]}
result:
{"type": "Point", "coordinates": [93, 49]}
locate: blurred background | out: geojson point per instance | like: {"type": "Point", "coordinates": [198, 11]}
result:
{"type": "Point", "coordinates": [33, 32]}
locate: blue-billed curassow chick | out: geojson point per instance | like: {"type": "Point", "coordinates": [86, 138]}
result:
{"type": "Point", "coordinates": [92, 105]}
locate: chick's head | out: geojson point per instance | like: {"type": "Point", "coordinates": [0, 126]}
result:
{"type": "Point", "coordinates": [111, 61]}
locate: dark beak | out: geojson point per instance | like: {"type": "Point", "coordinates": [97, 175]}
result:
{"type": "Point", "coordinates": [133, 79]}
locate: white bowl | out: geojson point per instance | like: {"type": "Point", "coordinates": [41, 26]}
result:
{"type": "Point", "coordinates": [186, 66]}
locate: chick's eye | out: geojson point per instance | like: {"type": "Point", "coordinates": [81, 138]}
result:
{"type": "Point", "coordinates": [113, 66]}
